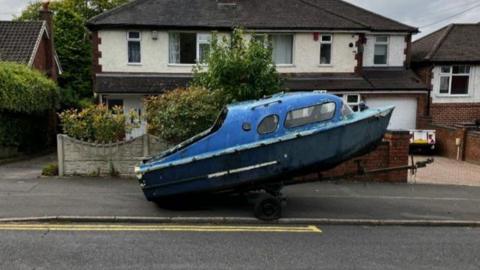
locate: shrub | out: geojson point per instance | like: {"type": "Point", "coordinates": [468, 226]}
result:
{"type": "Point", "coordinates": [97, 123]}
{"type": "Point", "coordinates": [50, 169]}
{"type": "Point", "coordinates": [25, 90]}
{"type": "Point", "coordinates": [181, 113]}
{"type": "Point", "coordinates": [241, 70]}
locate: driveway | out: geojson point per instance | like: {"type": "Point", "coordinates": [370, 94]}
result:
{"type": "Point", "coordinates": [447, 171]}
{"type": "Point", "coordinates": [27, 169]}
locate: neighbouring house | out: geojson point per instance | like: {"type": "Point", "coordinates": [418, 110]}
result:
{"type": "Point", "coordinates": [146, 47]}
{"type": "Point", "coordinates": [31, 43]}
{"type": "Point", "coordinates": [448, 60]}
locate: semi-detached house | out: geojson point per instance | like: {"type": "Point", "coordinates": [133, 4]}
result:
{"type": "Point", "coordinates": [146, 47]}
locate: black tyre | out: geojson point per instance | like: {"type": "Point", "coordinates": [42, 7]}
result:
{"type": "Point", "coordinates": [268, 207]}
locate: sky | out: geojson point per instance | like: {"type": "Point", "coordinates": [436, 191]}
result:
{"type": "Point", "coordinates": [427, 15]}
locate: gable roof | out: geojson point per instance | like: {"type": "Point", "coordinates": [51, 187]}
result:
{"type": "Point", "coordinates": [19, 40]}
{"type": "Point", "coordinates": [453, 43]}
{"type": "Point", "coordinates": [250, 14]}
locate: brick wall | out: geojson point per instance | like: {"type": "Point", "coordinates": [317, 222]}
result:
{"type": "Point", "coordinates": [392, 152]}
{"type": "Point", "coordinates": [472, 147]}
{"type": "Point", "coordinates": [447, 136]}
{"type": "Point", "coordinates": [454, 113]}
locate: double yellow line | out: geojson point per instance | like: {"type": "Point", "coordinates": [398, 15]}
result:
{"type": "Point", "coordinates": [156, 228]}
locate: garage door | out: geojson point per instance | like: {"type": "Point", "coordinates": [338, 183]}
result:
{"type": "Point", "coordinates": [405, 114]}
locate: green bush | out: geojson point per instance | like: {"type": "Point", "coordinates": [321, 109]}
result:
{"type": "Point", "coordinates": [50, 169]}
{"type": "Point", "coordinates": [97, 123]}
{"type": "Point", "coordinates": [25, 90]}
{"type": "Point", "coordinates": [181, 113]}
{"type": "Point", "coordinates": [241, 70]}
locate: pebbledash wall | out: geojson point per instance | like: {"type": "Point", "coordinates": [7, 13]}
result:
{"type": "Point", "coordinates": [82, 158]}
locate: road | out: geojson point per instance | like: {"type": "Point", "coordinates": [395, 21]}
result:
{"type": "Point", "coordinates": [335, 247]}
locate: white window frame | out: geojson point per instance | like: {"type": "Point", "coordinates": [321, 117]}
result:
{"type": "Point", "coordinates": [386, 43]}
{"type": "Point", "coordinates": [322, 42]}
{"type": "Point", "coordinates": [208, 41]}
{"type": "Point", "coordinates": [450, 75]}
{"type": "Point", "coordinates": [139, 40]}
{"type": "Point", "coordinates": [197, 47]}
{"type": "Point", "coordinates": [351, 104]}
{"type": "Point", "coordinates": [292, 64]}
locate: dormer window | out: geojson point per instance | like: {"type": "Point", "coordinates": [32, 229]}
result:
{"type": "Point", "coordinates": [134, 48]}
{"type": "Point", "coordinates": [381, 50]}
{"type": "Point", "coordinates": [189, 48]}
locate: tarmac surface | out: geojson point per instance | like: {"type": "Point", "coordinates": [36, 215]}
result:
{"type": "Point", "coordinates": [81, 196]}
{"type": "Point", "coordinates": [335, 247]}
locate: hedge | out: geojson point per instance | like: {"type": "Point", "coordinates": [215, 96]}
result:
{"type": "Point", "coordinates": [25, 90]}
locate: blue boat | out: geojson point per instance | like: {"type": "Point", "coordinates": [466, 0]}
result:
{"type": "Point", "coordinates": [260, 145]}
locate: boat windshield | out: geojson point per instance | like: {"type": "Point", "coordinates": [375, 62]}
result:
{"type": "Point", "coordinates": [216, 126]}
{"type": "Point", "coordinates": [347, 112]}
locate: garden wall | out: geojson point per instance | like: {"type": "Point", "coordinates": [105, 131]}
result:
{"type": "Point", "coordinates": [392, 152]}
{"type": "Point", "coordinates": [83, 158]}
{"type": "Point", "coordinates": [469, 138]}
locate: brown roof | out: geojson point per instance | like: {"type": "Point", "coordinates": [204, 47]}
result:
{"type": "Point", "coordinates": [251, 14]}
{"type": "Point", "coordinates": [372, 80]}
{"type": "Point", "coordinates": [18, 40]}
{"type": "Point", "coordinates": [453, 43]}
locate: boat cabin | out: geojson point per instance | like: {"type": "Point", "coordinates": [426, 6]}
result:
{"type": "Point", "coordinates": [262, 120]}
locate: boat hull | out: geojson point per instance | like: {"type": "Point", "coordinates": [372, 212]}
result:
{"type": "Point", "coordinates": [251, 168]}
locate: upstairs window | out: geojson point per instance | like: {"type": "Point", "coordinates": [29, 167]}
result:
{"type": "Point", "coordinates": [381, 50]}
{"type": "Point", "coordinates": [326, 50]}
{"type": "Point", "coordinates": [281, 44]}
{"type": "Point", "coordinates": [282, 49]}
{"type": "Point", "coordinates": [134, 52]}
{"type": "Point", "coordinates": [310, 115]}
{"type": "Point", "coordinates": [268, 125]}
{"type": "Point", "coordinates": [454, 80]}
{"type": "Point", "coordinates": [189, 48]}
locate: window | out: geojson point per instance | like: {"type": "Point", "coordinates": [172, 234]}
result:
{"type": "Point", "coordinates": [454, 80]}
{"type": "Point", "coordinates": [381, 50]}
{"type": "Point", "coordinates": [282, 48]}
{"type": "Point", "coordinates": [268, 125]}
{"type": "Point", "coordinates": [133, 40]}
{"type": "Point", "coordinates": [189, 48]}
{"type": "Point", "coordinates": [111, 103]}
{"type": "Point", "coordinates": [309, 115]}
{"type": "Point", "coordinates": [354, 101]}
{"type": "Point", "coordinates": [326, 50]}
{"type": "Point", "coordinates": [347, 111]}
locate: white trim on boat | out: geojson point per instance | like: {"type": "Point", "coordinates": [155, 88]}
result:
{"type": "Point", "coordinates": [242, 169]}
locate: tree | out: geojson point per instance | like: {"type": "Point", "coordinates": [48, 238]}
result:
{"type": "Point", "coordinates": [241, 70]}
{"type": "Point", "coordinates": [72, 43]}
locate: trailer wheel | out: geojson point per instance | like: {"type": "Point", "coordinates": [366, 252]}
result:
{"type": "Point", "coordinates": [268, 207]}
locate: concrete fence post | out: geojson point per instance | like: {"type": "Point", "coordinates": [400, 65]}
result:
{"type": "Point", "coordinates": [60, 155]}
{"type": "Point", "coordinates": [146, 144]}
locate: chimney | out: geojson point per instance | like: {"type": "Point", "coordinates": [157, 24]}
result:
{"type": "Point", "coordinates": [47, 15]}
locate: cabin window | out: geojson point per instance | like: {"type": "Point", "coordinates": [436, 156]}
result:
{"type": "Point", "coordinates": [268, 125]}
{"type": "Point", "coordinates": [133, 41]}
{"type": "Point", "coordinates": [310, 115]}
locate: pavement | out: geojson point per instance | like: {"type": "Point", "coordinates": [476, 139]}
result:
{"type": "Point", "coordinates": [447, 171]}
{"type": "Point", "coordinates": [81, 196]}
{"type": "Point", "coordinates": [23, 194]}
{"type": "Point", "coordinates": [335, 247]}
